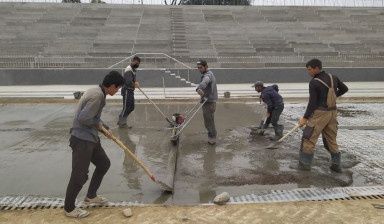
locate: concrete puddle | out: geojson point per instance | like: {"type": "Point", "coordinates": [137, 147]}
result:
{"type": "Point", "coordinates": [36, 158]}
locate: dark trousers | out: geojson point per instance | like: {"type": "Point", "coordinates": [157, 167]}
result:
{"type": "Point", "coordinates": [128, 106]}
{"type": "Point", "coordinates": [274, 119]}
{"type": "Point", "coordinates": [209, 109]}
{"type": "Point", "coordinates": [83, 153]}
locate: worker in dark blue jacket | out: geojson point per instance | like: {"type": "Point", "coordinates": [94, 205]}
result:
{"type": "Point", "coordinates": [275, 106]}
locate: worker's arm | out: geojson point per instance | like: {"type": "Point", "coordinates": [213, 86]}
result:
{"type": "Point", "coordinates": [204, 83]}
{"type": "Point", "coordinates": [88, 115]}
{"type": "Point", "coordinates": [108, 132]}
{"type": "Point", "coordinates": [341, 87]}
{"type": "Point", "coordinates": [129, 80]}
{"type": "Point", "coordinates": [313, 98]}
{"type": "Point", "coordinates": [267, 99]}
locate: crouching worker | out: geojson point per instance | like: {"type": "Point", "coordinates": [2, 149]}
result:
{"type": "Point", "coordinates": [275, 106]}
{"type": "Point", "coordinates": [86, 147]}
{"type": "Point", "coordinates": [321, 116]}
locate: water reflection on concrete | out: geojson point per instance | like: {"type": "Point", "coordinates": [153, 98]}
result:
{"type": "Point", "coordinates": [36, 159]}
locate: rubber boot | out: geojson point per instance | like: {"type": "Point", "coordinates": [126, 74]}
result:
{"type": "Point", "coordinates": [336, 159]}
{"type": "Point", "coordinates": [278, 132]}
{"type": "Point", "coordinates": [305, 161]}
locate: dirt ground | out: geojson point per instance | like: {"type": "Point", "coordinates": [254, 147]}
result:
{"type": "Point", "coordinates": [354, 211]}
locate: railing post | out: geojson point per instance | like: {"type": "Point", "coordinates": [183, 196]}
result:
{"type": "Point", "coordinates": [164, 88]}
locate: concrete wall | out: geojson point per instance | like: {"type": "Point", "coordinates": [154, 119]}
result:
{"type": "Point", "coordinates": [153, 78]}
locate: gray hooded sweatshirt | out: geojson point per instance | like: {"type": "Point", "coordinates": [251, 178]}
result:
{"type": "Point", "coordinates": [208, 85]}
{"type": "Point", "coordinates": [87, 115]}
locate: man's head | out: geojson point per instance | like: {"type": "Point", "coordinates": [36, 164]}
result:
{"type": "Point", "coordinates": [314, 67]}
{"type": "Point", "coordinates": [202, 66]}
{"type": "Point", "coordinates": [259, 85]}
{"type": "Point", "coordinates": [135, 62]}
{"type": "Point", "coordinates": [112, 82]}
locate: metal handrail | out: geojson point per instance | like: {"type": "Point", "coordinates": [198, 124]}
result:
{"type": "Point", "coordinates": [25, 61]}
{"type": "Point", "coordinates": [338, 3]}
{"type": "Point", "coordinates": [172, 58]}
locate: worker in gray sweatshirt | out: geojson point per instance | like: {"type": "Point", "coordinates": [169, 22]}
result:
{"type": "Point", "coordinates": [207, 89]}
{"type": "Point", "coordinates": [86, 147]}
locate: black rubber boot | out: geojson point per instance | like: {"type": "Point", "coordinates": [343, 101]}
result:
{"type": "Point", "coordinates": [305, 161]}
{"type": "Point", "coordinates": [336, 159]}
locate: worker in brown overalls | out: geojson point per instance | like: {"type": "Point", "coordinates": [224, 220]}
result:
{"type": "Point", "coordinates": [321, 116]}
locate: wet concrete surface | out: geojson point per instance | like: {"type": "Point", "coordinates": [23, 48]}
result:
{"type": "Point", "coordinates": [36, 158]}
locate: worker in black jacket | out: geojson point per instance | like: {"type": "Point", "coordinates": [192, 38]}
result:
{"type": "Point", "coordinates": [130, 83]}
{"type": "Point", "coordinates": [275, 106]}
{"type": "Point", "coordinates": [321, 116]}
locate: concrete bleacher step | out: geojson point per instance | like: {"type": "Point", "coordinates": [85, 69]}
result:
{"type": "Point", "coordinates": [265, 40]}
{"type": "Point", "coordinates": [350, 48]}
{"type": "Point", "coordinates": [319, 53]}
{"type": "Point", "coordinates": [240, 65]}
{"type": "Point", "coordinates": [236, 54]}
{"type": "Point", "coordinates": [109, 54]}
{"type": "Point", "coordinates": [178, 30]}
{"type": "Point", "coordinates": [274, 49]}
{"type": "Point", "coordinates": [280, 19]}
{"type": "Point", "coordinates": [189, 33]}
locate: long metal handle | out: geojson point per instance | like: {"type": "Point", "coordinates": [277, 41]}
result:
{"type": "Point", "coordinates": [189, 111]}
{"type": "Point", "coordinates": [130, 154]}
{"type": "Point", "coordinates": [174, 59]}
{"type": "Point", "coordinates": [157, 108]}
{"type": "Point", "coordinates": [187, 122]}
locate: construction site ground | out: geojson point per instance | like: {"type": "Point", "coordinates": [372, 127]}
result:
{"type": "Point", "coordinates": [335, 212]}
{"type": "Point", "coordinates": [239, 164]}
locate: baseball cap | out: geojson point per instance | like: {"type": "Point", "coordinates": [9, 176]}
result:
{"type": "Point", "coordinates": [258, 83]}
{"type": "Point", "coordinates": [202, 62]}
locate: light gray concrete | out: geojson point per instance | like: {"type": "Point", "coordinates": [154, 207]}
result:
{"type": "Point", "coordinates": [153, 78]}
{"type": "Point", "coordinates": [36, 158]}
{"type": "Point", "coordinates": [231, 32]}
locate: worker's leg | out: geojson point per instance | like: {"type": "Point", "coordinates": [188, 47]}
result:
{"type": "Point", "coordinates": [209, 109]}
{"type": "Point", "coordinates": [330, 143]}
{"type": "Point", "coordinates": [275, 116]}
{"type": "Point", "coordinates": [311, 133]}
{"type": "Point", "coordinates": [81, 157]}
